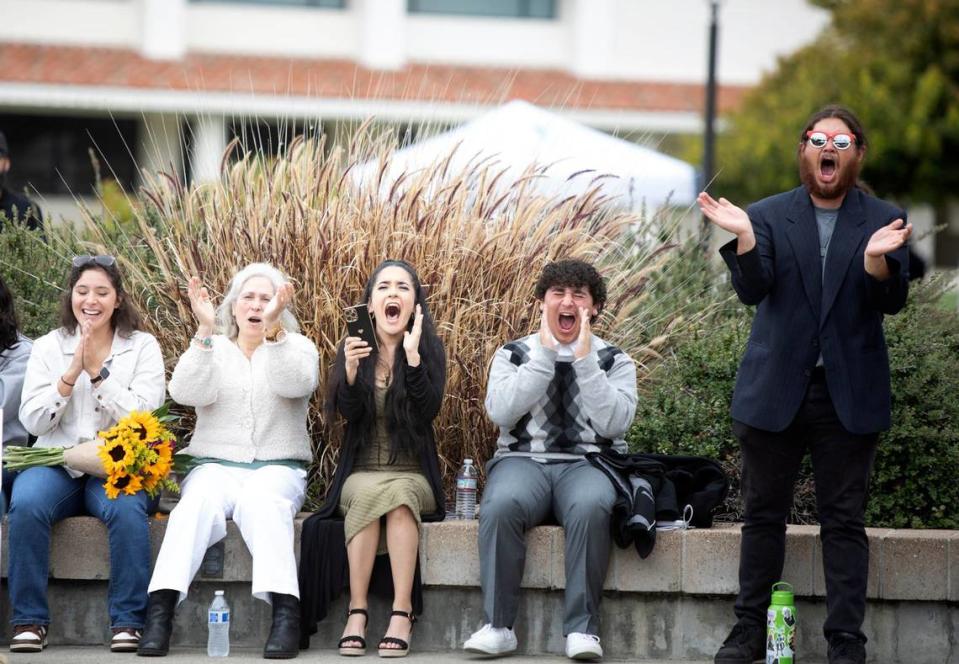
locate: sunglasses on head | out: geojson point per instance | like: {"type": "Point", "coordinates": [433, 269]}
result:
{"type": "Point", "coordinates": [87, 259]}
{"type": "Point", "coordinates": [841, 140]}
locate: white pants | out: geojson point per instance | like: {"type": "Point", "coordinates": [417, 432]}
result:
{"type": "Point", "coordinates": [262, 503]}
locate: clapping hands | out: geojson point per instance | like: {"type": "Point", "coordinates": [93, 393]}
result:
{"type": "Point", "coordinates": [202, 306]}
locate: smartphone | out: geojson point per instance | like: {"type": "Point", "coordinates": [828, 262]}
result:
{"type": "Point", "coordinates": [359, 324]}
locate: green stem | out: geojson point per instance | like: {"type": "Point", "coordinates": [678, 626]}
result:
{"type": "Point", "coordinates": [19, 458]}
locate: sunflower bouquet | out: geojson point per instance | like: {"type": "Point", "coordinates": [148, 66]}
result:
{"type": "Point", "coordinates": [136, 454]}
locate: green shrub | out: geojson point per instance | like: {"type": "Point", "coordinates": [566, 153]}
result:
{"type": "Point", "coordinates": [34, 269]}
{"type": "Point", "coordinates": [914, 482]}
{"type": "Point", "coordinates": [685, 410]}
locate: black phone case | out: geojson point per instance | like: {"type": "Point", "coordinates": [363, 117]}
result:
{"type": "Point", "coordinates": [359, 324]}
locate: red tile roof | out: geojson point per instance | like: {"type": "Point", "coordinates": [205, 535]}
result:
{"type": "Point", "coordinates": [344, 79]}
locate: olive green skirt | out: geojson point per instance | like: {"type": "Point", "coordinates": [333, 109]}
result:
{"type": "Point", "coordinates": [368, 495]}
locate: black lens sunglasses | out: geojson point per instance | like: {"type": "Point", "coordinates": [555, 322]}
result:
{"type": "Point", "coordinates": [87, 259]}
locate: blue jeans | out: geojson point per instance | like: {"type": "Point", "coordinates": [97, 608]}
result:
{"type": "Point", "coordinates": [43, 496]}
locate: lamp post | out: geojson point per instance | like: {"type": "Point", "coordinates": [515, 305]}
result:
{"type": "Point", "coordinates": [709, 134]}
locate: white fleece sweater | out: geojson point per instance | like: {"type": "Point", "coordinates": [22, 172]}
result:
{"type": "Point", "coordinates": [252, 409]}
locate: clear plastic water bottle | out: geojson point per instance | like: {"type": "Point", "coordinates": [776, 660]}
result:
{"type": "Point", "coordinates": [218, 627]}
{"type": "Point", "coordinates": [466, 489]}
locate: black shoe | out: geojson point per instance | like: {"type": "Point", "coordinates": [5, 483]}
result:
{"type": "Point", "coordinates": [284, 640]}
{"type": "Point", "coordinates": [846, 648]}
{"type": "Point", "coordinates": [155, 641]}
{"type": "Point", "coordinates": [746, 644]}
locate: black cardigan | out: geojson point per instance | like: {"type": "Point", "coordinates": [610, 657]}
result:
{"type": "Point", "coordinates": [324, 570]}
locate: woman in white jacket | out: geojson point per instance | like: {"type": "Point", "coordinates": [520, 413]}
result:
{"type": "Point", "coordinates": [250, 385]}
{"type": "Point", "coordinates": [82, 378]}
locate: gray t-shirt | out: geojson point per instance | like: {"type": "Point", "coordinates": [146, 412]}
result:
{"type": "Point", "coordinates": [826, 222]}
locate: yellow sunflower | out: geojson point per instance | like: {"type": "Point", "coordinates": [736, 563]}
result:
{"type": "Point", "coordinates": [116, 454]}
{"type": "Point", "coordinates": [143, 424]}
{"type": "Point", "coordinates": [122, 481]}
{"type": "Point", "coordinates": [159, 469]}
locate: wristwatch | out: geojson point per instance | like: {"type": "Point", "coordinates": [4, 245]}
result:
{"type": "Point", "coordinates": [99, 378]}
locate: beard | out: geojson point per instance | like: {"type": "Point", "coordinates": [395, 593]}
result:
{"type": "Point", "coordinates": [848, 174]}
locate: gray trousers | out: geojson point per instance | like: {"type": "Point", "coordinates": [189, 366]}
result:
{"type": "Point", "coordinates": [520, 494]}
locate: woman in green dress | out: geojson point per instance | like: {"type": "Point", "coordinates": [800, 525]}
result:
{"type": "Point", "coordinates": [388, 478]}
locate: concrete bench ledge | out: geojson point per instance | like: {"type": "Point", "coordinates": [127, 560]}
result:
{"type": "Point", "coordinates": [674, 606]}
{"type": "Point", "coordinates": [920, 565]}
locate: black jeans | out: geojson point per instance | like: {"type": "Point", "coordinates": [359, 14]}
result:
{"type": "Point", "coordinates": [841, 463]}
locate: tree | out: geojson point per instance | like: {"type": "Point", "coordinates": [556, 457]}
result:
{"type": "Point", "coordinates": [896, 64]}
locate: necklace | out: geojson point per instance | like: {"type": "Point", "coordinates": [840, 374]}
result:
{"type": "Point", "coordinates": [384, 372]}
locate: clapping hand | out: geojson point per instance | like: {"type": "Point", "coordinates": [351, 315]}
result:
{"type": "Point", "coordinates": [546, 338]}
{"type": "Point", "coordinates": [277, 304]}
{"type": "Point", "coordinates": [202, 306]}
{"type": "Point", "coordinates": [77, 363]}
{"type": "Point", "coordinates": [411, 339]}
{"type": "Point", "coordinates": [888, 238]}
{"type": "Point", "coordinates": [730, 218]}
{"type": "Point", "coordinates": [584, 342]}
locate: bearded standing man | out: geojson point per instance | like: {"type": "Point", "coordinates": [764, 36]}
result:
{"type": "Point", "coordinates": [823, 262]}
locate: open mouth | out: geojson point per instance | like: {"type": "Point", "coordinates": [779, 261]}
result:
{"type": "Point", "coordinates": [256, 320]}
{"type": "Point", "coordinates": [567, 322]}
{"type": "Point", "coordinates": [827, 167]}
{"type": "Point", "coordinates": [392, 312]}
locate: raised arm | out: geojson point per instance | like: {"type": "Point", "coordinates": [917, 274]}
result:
{"type": "Point", "coordinates": [886, 262]}
{"type": "Point", "coordinates": [512, 390]}
{"type": "Point", "coordinates": [750, 255]}
{"type": "Point", "coordinates": [293, 366]}
{"type": "Point", "coordinates": [196, 378]}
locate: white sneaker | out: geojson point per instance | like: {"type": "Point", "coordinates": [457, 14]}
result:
{"type": "Point", "coordinates": [583, 646]}
{"type": "Point", "coordinates": [491, 640]}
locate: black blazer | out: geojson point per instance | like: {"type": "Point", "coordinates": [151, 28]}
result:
{"type": "Point", "coordinates": [802, 312]}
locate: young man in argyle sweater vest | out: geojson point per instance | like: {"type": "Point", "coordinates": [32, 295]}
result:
{"type": "Point", "coordinates": [555, 395]}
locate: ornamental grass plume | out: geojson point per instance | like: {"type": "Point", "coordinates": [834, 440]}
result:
{"type": "Point", "coordinates": [477, 244]}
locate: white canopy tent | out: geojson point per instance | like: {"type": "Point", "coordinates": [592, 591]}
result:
{"type": "Point", "coordinates": [518, 135]}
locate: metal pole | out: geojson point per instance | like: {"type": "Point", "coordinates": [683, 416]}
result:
{"type": "Point", "coordinates": [709, 135]}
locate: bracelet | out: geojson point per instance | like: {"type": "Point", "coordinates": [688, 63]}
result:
{"type": "Point", "coordinates": [206, 342]}
{"type": "Point", "coordinates": [62, 380]}
{"type": "Point", "coordinates": [273, 334]}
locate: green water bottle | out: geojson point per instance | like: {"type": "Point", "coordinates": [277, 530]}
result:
{"type": "Point", "coordinates": [781, 626]}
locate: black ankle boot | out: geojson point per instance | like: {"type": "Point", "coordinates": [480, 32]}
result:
{"type": "Point", "coordinates": [284, 641]}
{"type": "Point", "coordinates": [155, 641]}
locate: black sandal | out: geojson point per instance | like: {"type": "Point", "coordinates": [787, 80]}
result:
{"type": "Point", "coordinates": [404, 646]}
{"type": "Point", "coordinates": [354, 651]}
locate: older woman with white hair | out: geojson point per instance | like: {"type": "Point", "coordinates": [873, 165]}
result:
{"type": "Point", "coordinates": [250, 385]}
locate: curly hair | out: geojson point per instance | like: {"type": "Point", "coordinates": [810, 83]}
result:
{"type": "Point", "coordinates": [573, 273]}
{"type": "Point", "coordinates": [125, 319]}
{"type": "Point", "coordinates": [8, 318]}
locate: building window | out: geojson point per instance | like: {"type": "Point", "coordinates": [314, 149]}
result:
{"type": "Point", "coordinates": [327, 4]}
{"type": "Point", "coordinates": [56, 154]}
{"type": "Point", "coordinates": [500, 8]}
